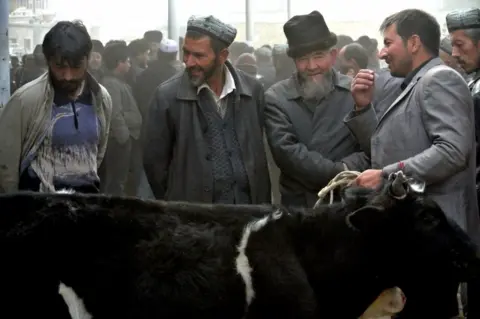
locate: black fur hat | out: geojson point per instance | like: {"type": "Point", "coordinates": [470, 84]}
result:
{"type": "Point", "coordinates": [308, 33]}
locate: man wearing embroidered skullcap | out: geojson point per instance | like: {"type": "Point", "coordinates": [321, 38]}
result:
{"type": "Point", "coordinates": [205, 126]}
{"type": "Point", "coordinates": [464, 29]}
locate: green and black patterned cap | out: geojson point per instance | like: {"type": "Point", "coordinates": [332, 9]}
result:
{"type": "Point", "coordinates": [213, 27]}
{"type": "Point", "coordinates": [463, 19]}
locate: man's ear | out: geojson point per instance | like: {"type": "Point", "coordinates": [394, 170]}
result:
{"type": "Point", "coordinates": [223, 55]}
{"type": "Point", "coordinates": [334, 55]}
{"type": "Point", "coordinates": [365, 218]}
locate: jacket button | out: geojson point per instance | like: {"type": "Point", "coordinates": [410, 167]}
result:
{"type": "Point", "coordinates": [206, 189]}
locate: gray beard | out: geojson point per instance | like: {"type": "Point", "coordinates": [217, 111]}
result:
{"type": "Point", "coordinates": [316, 89]}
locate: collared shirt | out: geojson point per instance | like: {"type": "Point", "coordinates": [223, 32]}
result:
{"type": "Point", "coordinates": [228, 87]}
{"type": "Point", "coordinates": [473, 78]}
{"type": "Point", "coordinates": [412, 74]}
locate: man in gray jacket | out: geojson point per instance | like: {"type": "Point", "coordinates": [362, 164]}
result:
{"type": "Point", "coordinates": [123, 165]}
{"type": "Point", "coordinates": [427, 132]}
{"type": "Point", "coordinates": [304, 113]}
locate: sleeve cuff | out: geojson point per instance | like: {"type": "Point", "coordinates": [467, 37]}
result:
{"type": "Point", "coordinates": [354, 113]}
{"type": "Point", "coordinates": [392, 168]}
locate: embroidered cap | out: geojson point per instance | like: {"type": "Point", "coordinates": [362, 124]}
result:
{"type": "Point", "coordinates": [213, 27]}
{"type": "Point", "coordinates": [463, 19]}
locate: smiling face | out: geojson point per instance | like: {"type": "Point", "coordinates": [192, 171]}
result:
{"type": "Point", "coordinates": [200, 59]}
{"type": "Point", "coordinates": [315, 73]}
{"type": "Point", "coordinates": [395, 52]}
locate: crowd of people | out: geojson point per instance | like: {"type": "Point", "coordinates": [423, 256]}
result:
{"type": "Point", "coordinates": [229, 124]}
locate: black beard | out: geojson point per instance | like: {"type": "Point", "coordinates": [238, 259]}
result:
{"type": "Point", "coordinates": [208, 72]}
{"type": "Point", "coordinates": [66, 87]}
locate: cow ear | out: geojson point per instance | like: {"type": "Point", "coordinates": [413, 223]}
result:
{"type": "Point", "coordinates": [365, 218]}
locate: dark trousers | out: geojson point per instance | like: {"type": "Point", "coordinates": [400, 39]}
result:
{"type": "Point", "coordinates": [433, 299]}
{"type": "Point", "coordinates": [121, 168]}
{"type": "Point", "coordinates": [473, 300]}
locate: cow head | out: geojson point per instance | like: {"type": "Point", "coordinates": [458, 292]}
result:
{"type": "Point", "coordinates": [412, 232]}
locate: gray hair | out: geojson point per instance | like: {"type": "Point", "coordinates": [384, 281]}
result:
{"type": "Point", "coordinates": [473, 34]}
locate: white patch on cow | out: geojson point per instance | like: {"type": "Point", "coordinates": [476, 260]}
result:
{"type": "Point", "coordinates": [65, 191]}
{"type": "Point", "coordinates": [75, 305]}
{"type": "Point", "coordinates": [241, 262]}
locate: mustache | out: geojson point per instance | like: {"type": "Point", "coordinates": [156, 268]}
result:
{"type": "Point", "coordinates": [308, 73]}
{"type": "Point", "coordinates": [195, 69]}
{"type": "Point", "coordinates": [316, 88]}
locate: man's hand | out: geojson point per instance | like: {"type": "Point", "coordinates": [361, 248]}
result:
{"type": "Point", "coordinates": [363, 87]}
{"type": "Point", "coordinates": [371, 178]}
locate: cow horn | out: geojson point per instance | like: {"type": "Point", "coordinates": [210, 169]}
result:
{"type": "Point", "coordinates": [398, 188]}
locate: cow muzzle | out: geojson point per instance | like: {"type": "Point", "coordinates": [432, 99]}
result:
{"type": "Point", "coordinates": [402, 185]}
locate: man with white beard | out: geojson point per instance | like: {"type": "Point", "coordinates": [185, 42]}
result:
{"type": "Point", "coordinates": [304, 114]}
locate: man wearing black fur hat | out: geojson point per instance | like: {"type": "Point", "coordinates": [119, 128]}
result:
{"type": "Point", "coordinates": [304, 114]}
{"type": "Point", "coordinates": [204, 132]}
{"type": "Point", "coordinates": [153, 38]}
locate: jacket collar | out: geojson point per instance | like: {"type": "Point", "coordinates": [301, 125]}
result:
{"type": "Point", "coordinates": [473, 78]}
{"type": "Point", "coordinates": [186, 91]}
{"type": "Point", "coordinates": [418, 75]}
{"type": "Point", "coordinates": [293, 91]}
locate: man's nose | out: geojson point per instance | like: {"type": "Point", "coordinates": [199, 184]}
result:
{"type": "Point", "coordinates": [67, 74]}
{"type": "Point", "coordinates": [189, 61]}
{"type": "Point", "coordinates": [455, 52]}
{"type": "Point", "coordinates": [382, 54]}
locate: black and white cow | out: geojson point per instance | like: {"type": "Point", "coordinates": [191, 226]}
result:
{"type": "Point", "coordinates": [113, 257]}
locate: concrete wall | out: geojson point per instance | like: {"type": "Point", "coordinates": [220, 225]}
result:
{"type": "Point", "coordinates": [28, 35]}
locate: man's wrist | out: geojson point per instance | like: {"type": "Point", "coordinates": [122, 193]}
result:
{"type": "Point", "coordinates": [359, 109]}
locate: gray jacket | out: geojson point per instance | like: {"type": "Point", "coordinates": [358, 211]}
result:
{"type": "Point", "coordinates": [126, 117]}
{"type": "Point", "coordinates": [310, 143]}
{"type": "Point", "coordinates": [429, 130]}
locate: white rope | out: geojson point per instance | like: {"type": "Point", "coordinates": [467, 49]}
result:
{"type": "Point", "coordinates": [461, 313]}
{"type": "Point", "coordinates": [343, 179]}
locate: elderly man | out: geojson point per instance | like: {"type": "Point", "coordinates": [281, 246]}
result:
{"type": "Point", "coordinates": [204, 136]}
{"type": "Point", "coordinates": [427, 132]}
{"type": "Point", "coordinates": [304, 113]}
{"type": "Point", "coordinates": [464, 29]}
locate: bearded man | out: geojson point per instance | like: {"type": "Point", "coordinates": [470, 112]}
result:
{"type": "Point", "coordinates": [55, 129]}
{"type": "Point", "coordinates": [205, 126]}
{"type": "Point", "coordinates": [464, 29]}
{"type": "Point", "coordinates": [304, 115]}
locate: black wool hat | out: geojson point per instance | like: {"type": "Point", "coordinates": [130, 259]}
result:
{"type": "Point", "coordinates": [308, 33]}
{"type": "Point", "coordinates": [155, 36]}
{"type": "Point", "coordinates": [97, 46]}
